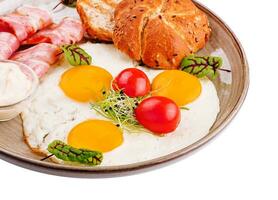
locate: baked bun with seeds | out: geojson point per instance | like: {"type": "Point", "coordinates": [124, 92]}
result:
{"type": "Point", "coordinates": [160, 33]}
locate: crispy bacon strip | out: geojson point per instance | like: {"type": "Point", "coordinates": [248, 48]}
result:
{"type": "Point", "coordinates": [25, 21]}
{"type": "Point", "coordinates": [38, 57]}
{"type": "Point", "coordinates": [8, 45]}
{"type": "Point", "coordinates": [68, 31]}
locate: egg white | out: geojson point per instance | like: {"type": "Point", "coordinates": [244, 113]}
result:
{"type": "Point", "coordinates": [51, 115]}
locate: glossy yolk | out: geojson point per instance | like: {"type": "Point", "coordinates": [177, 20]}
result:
{"type": "Point", "coordinates": [96, 135]}
{"type": "Point", "coordinates": [181, 87]}
{"type": "Point", "coordinates": [85, 83]}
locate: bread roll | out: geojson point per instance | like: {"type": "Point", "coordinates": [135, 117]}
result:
{"type": "Point", "coordinates": [98, 17]}
{"type": "Point", "coordinates": [160, 32]}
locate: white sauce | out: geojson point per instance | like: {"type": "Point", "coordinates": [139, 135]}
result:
{"type": "Point", "coordinates": [14, 84]}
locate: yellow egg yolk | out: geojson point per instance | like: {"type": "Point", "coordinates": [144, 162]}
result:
{"type": "Point", "coordinates": [85, 83]}
{"type": "Point", "coordinates": [181, 87]}
{"type": "Point", "coordinates": [97, 135]}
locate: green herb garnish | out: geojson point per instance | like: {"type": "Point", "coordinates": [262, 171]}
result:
{"type": "Point", "coordinates": [119, 107]}
{"type": "Point", "coordinates": [201, 66]}
{"type": "Point", "coordinates": [184, 108]}
{"type": "Point", "coordinates": [67, 153]}
{"type": "Point", "coordinates": [76, 55]}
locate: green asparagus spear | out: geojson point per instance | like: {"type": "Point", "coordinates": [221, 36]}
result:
{"type": "Point", "coordinates": [67, 153]}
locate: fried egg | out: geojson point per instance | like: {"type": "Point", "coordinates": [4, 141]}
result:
{"type": "Point", "coordinates": [181, 87]}
{"type": "Point", "coordinates": [60, 111]}
{"type": "Point", "coordinates": [98, 135]}
{"type": "Point", "coordinates": [86, 83]}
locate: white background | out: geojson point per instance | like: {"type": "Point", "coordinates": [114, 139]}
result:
{"type": "Point", "coordinates": [241, 163]}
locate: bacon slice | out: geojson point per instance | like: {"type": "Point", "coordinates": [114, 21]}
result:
{"type": "Point", "coordinates": [14, 26]}
{"type": "Point", "coordinates": [38, 57]}
{"type": "Point", "coordinates": [25, 21]}
{"type": "Point", "coordinates": [68, 31]}
{"type": "Point", "coordinates": [8, 45]}
{"type": "Point", "coordinates": [40, 18]}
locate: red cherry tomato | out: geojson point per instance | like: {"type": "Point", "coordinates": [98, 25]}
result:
{"type": "Point", "coordinates": [133, 82]}
{"type": "Point", "coordinates": [158, 114]}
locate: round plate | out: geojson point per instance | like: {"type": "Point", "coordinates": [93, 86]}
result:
{"type": "Point", "coordinates": [231, 87]}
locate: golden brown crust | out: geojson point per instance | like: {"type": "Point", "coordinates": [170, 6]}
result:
{"type": "Point", "coordinates": [93, 31]}
{"type": "Point", "coordinates": [161, 34]}
{"type": "Point", "coordinates": [179, 7]}
{"type": "Point", "coordinates": [99, 34]}
{"type": "Point", "coordinates": [166, 51]}
{"type": "Point", "coordinates": [194, 28]}
{"type": "Point", "coordinates": [128, 38]}
{"type": "Point", "coordinates": [111, 3]}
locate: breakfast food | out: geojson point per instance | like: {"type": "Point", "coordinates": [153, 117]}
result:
{"type": "Point", "coordinates": [25, 21]}
{"type": "Point", "coordinates": [160, 33]}
{"type": "Point", "coordinates": [17, 84]}
{"type": "Point", "coordinates": [55, 116]}
{"type": "Point", "coordinates": [100, 135]}
{"type": "Point", "coordinates": [85, 83]}
{"type": "Point", "coordinates": [98, 18]}
{"type": "Point", "coordinates": [158, 114]}
{"type": "Point", "coordinates": [39, 58]}
{"type": "Point", "coordinates": [68, 153]}
{"type": "Point", "coordinates": [133, 82]}
{"type": "Point", "coordinates": [8, 45]}
{"type": "Point", "coordinates": [14, 84]}
{"type": "Point", "coordinates": [98, 106]}
{"type": "Point", "coordinates": [181, 87]}
{"type": "Point", "coordinates": [203, 66]}
{"type": "Point", "coordinates": [68, 31]}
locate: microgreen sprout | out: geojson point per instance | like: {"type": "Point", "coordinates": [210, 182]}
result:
{"type": "Point", "coordinates": [119, 107]}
